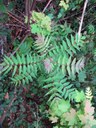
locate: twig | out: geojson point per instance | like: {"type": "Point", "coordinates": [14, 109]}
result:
{"type": "Point", "coordinates": [22, 14]}
{"type": "Point", "coordinates": [29, 14]}
{"type": "Point", "coordinates": [46, 5]}
{"type": "Point", "coordinates": [15, 25]}
{"type": "Point", "coordinates": [26, 8]}
{"type": "Point", "coordinates": [15, 17]}
{"type": "Point", "coordinates": [32, 6]}
{"type": "Point", "coordinates": [68, 17]}
{"type": "Point", "coordinates": [82, 18]}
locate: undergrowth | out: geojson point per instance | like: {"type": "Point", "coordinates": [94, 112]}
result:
{"type": "Point", "coordinates": [48, 72]}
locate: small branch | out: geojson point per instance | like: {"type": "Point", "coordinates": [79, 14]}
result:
{"type": "Point", "coordinates": [26, 8]}
{"type": "Point", "coordinates": [33, 6]}
{"type": "Point", "coordinates": [29, 14]}
{"type": "Point", "coordinates": [82, 18]}
{"type": "Point", "coordinates": [22, 14]}
{"type": "Point", "coordinates": [46, 5]}
{"type": "Point", "coordinates": [70, 16]}
{"type": "Point", "coordinates": [15, 17]}
{"type": "Point", "coordinates": [15, 25]}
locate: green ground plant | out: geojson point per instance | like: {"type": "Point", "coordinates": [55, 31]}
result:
{"type": "Point", "coordinates": [54, 64]}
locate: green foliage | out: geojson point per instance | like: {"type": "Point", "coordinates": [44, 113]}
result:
{"type": "Point", "coordinates": [24, 67]}
{"type": "Point", "coordinates": [91, 29]}
{"type": "Point", "coordinates": [62, 56]}
{"type": "Point", "coordinates": [59, 87]}
{"type": "Point", "coordinates": [3, 8]}
{"type": "Point", "coordinates": [68, 6]}
{"type": "Point", "coordinates": [52, 66]}
{"type": "Point", "coordinates": [88, 93]}
{"type": "Point", "coordinates": [82, 76]}
{"type": "Point", "coordinates": [25, 48]}
{"type": "Point", "coordinates": [24, 64]}
{"type": "Point", "coordinates": [42, 44]}
{"type": "Point", "coordinates": [82, 116]}
{"type": "Point", "coordinates": [80, 96]}
{"type": "Point", "coordinates": [63, 30]}
{"type": "Point", "coordinates": [59, 107]}
{"type": "Point", "coordinates": [88, 119]}
{"type": "Point", "coordinates": [42, 23]}
{"type": "Point", "coordinates": [64, 4]}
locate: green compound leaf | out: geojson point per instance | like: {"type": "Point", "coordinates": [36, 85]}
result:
{"type": "Point", "coordinates": [42, 23]}
{"type": "Point", "coordinates": [80, 96]}
{"type": "Point", "coordinates": [59, 107]}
